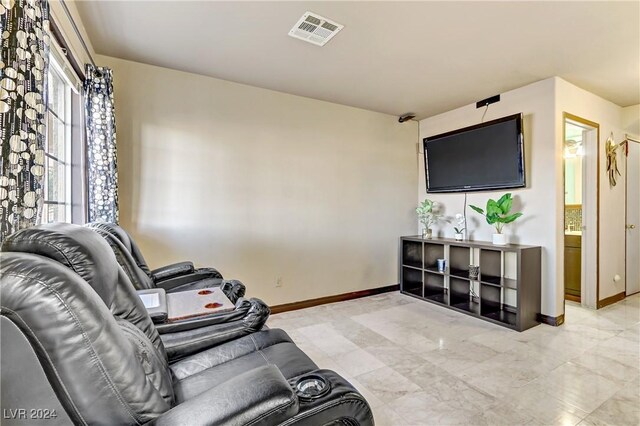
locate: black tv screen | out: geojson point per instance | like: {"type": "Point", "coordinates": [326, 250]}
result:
{"type": "Point", "coordinates": [477, 158]}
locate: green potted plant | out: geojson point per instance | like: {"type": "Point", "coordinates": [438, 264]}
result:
{"type": "Point", "coordinates": [428, 216]}
{"type": "Point", "coordinates": [498, 215]}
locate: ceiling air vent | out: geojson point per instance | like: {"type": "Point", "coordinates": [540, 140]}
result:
{"type": "Point", "coordinates": [315, 29]}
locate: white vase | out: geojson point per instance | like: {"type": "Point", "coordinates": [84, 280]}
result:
{"type": "Point", "coordinates": [427, 233]}
{"type": "Point", "coordinates": [499, 239]}
{"type": "Point", "coordinates": [458, 237]}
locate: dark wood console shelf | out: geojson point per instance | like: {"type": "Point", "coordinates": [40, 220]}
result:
{"type": "Point", "coordinates": [506, 292]}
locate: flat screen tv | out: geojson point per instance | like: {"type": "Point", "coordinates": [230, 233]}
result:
{"type": "Point", "coordinates": [477, 158]}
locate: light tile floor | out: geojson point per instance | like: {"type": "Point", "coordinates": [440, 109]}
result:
{"type": "Point", "coordinates": [421, 364]}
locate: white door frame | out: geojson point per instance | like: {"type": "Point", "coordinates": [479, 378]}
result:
{"type": "Point", "coordinates": [590, 255]}
{"type": "Point", "coordinates": [636, 144]}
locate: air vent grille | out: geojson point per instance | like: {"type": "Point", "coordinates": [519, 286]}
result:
{"type": "Point", "coordinates": [313, 19]}
{"type": "Point", "coordinates": [315, 29]}
{"type": "Point", "coordinates": [305, 26]}
{"type": "Point", "coordinates": [329, 26]}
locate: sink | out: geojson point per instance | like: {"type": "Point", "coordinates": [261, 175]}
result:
{"type": "Point", "coordinates": [572, 232]}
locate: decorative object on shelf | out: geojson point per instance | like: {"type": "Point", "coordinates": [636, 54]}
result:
{"type": "Point", "coordinates": [442, 265]}
{"type": "Point", "coordinates": [612, 159]}
{"type": "Point", "coordinates": [461, 226]}
{"type": "Point", "coordinates": [499, 239]}
{"type": "Point", "coordinates": [428, 216]}
{"type": "Point", "coordinates": [474, 272]}
{"type": "Point", "coordinates": [497, 215]}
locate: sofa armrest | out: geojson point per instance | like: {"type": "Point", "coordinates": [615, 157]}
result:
{"type": "Point", "coordinates": [233, 289]}
{"type": "Point", "coordinates": [183, 338]}
{"type": "Point", "coordinates": [343, 404]}
{"type": "Point", "coordinates": [172, 271]}
{"type": "Point", "coordinates": [260, 396]}
{"type": "Point", "coordinates": [155, 302]}
{"type": "Point", "coordinates": [241, 310]}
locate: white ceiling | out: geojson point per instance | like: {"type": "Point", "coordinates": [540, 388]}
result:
{"type": "Point", "coordinates": [392, 57]}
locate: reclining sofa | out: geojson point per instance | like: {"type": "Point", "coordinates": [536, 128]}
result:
{"type": "Point", "coordinates": [249, 314]}
{"type": "Point", "coordinates": [77, 342]}
{"type": "Point", "coordinates": [173, 278]}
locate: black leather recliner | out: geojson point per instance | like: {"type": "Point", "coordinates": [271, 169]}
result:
{"type": "Point", "coordinates": [180, 337]}
{"type": "Point", "coordinates": [233, 289]}
{"type": "Point", "coordinates": [76, 339]}
{"type": "Point", "coordinates": [172, 278]}
{"type": "Point", "coordinates": [249, 314]}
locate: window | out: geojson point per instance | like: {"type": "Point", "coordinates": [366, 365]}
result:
{"type": "Point", "coordinates": [57, 181]}
{"type": "Point", "coordinates": [63, 186]}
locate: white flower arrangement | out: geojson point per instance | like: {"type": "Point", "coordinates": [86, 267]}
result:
{"type": "Point", "coordinates": [460, 223]}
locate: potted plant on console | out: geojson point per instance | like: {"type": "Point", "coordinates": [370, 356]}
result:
{"type": "Point", "coordinates": [461, 225]}
{"type": "Point", "coordinates": [428, 216]}
{"type": "Point", "coordinates": [497, 215]}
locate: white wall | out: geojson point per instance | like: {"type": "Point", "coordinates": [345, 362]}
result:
{"type": "Point", "coordinates": [537, 201]}
{"type": "Point", "coordinates": [542, 201]}
{"type": "Point", "coordinates": [576, 101]}
{"type": "Point", "coordinates": [631, 120]}
{"type": "Point", "coordinates": [261, 184]}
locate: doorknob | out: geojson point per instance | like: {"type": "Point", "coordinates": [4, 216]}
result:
{"type": "Point", "coordinates": [631, 227]}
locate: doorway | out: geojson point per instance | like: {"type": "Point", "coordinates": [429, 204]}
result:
{"type": "Point", "coordinates": [580, 153]}
{"type": "Point", "coordinates": [633, 218]}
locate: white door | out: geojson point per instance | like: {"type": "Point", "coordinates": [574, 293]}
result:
{"type": "Point", "coordinates": [633, 218]}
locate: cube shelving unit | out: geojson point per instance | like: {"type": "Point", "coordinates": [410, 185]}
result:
{"type": "Point", "coordinates": [506, 292]}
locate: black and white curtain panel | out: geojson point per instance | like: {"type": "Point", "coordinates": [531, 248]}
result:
{"type": "Point", "coordinates": [24, 31]}
{"type": "Point", "coordinates": [102, 171]}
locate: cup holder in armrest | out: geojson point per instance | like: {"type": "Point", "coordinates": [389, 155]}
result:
{"type": "Point", "coordinates": [311, 386]}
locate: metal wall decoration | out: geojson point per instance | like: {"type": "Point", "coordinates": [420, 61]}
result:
{"type": "Point", "coordinates": [101, 145]}
{"type": "Point", "coordinates": [24, 30]}
{"type": "Point", "coordinates": [612, 160]}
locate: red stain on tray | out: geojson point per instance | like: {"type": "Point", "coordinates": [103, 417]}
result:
{"type": "Point", "coordinates": [212, 305]}
{"type": "Point", "coordinates": [204, 292]}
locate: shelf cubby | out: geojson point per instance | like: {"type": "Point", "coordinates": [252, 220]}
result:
{"type": "Point", "coordinates": [432, 252]}
{"type": "Point", "coordinates": [434, 270]}
{"type": "Point", "coordinates": [438, 298]}
{"type": "Point", "coordinates": [434, 288]}
{"type": "Point", "coordinates": [412, 281]}
{"type": "Point", "coordinates": [460, 295]}
{"type": "Point", "coordinates": [492, 305]}
{"type": "Point", "coordinates": [505, 315]}
{"type": "Point", "coordinates": [412, 254]}
{"type": "Point", "coordinates": [490, 265]}
{"type": "Point", "coordinates": [459, 258]}
{"type": "Point", "coordinates": [459, 273]}
{"type": "Point", "coordinates": [506, 293]}
{"type": "Point", "coordinates": [499, 281]}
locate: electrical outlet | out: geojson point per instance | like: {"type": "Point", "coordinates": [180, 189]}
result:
{"type": "Point", "coordinates": [279, 282]}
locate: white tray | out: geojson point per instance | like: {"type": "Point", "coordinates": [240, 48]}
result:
{"type": "Point", "coordinates": [195, 303]}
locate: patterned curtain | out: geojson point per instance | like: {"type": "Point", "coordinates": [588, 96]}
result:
{"type": "Point", "coordinates": [101, 145]}
{"type": "Point", "coordinates": [24, 28]}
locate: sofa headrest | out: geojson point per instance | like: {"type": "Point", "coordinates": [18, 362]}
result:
{"type": "Point", "coordinates": [78, 248]}
{"type": "Point", "coordinates": [112, 229]}
{"type": "Point", "coordinates": [129, 243]}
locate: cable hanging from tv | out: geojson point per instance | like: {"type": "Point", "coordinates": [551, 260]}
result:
{"type": "Point", "coordinates": [484, 113]}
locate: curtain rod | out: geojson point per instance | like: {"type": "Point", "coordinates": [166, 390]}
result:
{"type": "Point", "coordinates": [77, 31]}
